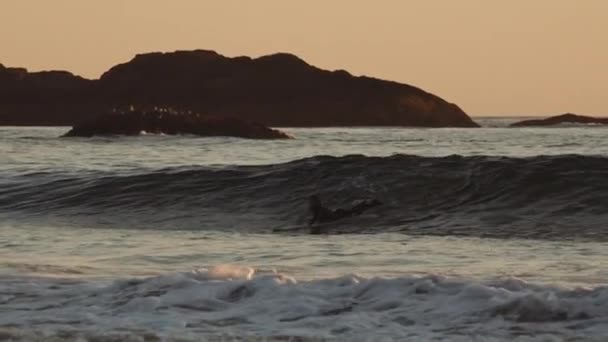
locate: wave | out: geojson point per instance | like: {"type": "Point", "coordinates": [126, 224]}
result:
{"type": "Point", "coordinates": [538, 197]}
{"type": "Point", "coordinates": [237, 300]}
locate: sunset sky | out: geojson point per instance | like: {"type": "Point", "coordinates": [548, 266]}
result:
{"type": "Point", "coordinates": [519, 57]}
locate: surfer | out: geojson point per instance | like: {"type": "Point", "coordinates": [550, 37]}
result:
{"type": "Point", "coordinates": [322, 214]}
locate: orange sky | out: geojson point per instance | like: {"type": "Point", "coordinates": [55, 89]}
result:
{"type": "Point", "coordinates": [492, 57]}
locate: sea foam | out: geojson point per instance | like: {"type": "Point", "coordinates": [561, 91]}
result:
{"type": "Point", "coordinates": [229, 301]}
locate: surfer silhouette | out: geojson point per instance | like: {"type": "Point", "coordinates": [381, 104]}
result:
{"type": "Point", "coordinates": [322, 214]}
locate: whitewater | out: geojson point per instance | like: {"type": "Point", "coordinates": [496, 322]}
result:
{"type": "Point", "coordinates": [490, 234]}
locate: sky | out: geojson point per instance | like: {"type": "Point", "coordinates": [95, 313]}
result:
{"type": "Point", "coordinates": [491, 57]}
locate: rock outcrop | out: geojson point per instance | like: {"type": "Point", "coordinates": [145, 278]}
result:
{"type": "Point", "coordinates": [277, 90]}
{"type": "Point", "coordinates": [135, 122]}
{"type": "Point", "coordinates": [43, 98]}
{"type": "Point", "coordinates": [568, 118]}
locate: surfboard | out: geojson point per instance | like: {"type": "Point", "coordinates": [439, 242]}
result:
{"type": "Point", "coordinates": [290, 228]}
{"type": "Point", "coordinates": [298, 227]}
{"type": "Point", "coordinates": [327, 226]}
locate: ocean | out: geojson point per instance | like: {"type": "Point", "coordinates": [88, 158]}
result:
{"type": "Point", "coordinates": [489, 234]}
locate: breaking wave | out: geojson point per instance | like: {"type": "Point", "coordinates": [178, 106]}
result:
{"type": "Point", "coordinates": [539, 197]}
{"type": "Point", "coordinates": [206, 303]}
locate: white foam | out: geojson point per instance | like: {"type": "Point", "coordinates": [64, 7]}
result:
{"type": "Point", "coordinates": [230, 300]}
{"type": "Point", "coordinates": [224, 272]}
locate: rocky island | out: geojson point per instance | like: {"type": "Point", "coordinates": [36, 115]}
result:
{"type": "Point", "coordinates": [168, 121]}
{"type": "Point", "coordinates": [279, 90]}
{"type": "Point", "coordinates": [567, 118]}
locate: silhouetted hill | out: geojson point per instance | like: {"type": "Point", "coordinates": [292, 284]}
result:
{"type": "Point", "coordinates": [43, 98]}
{"type": "Point", "coordinates": [277, 90]}
{"type": "Point", "coordinates": [567, 118]}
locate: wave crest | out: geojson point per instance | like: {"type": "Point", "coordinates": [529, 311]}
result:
{"type": "Point", "coordinates": [543, 197]}
{"type": "Point", "coordinates": [348, 307]}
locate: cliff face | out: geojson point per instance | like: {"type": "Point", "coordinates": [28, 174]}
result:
{"type": "Point", "coordinates": [277, 90]}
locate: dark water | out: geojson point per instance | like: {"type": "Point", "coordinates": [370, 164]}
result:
{"type": "Point", "coordinates": [491, 234]}
{"type": "Point", "coordinates": [564, 196]}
